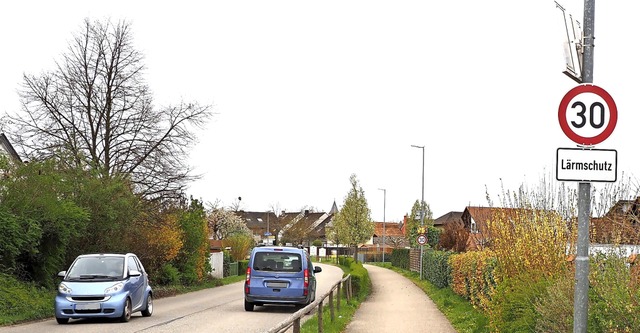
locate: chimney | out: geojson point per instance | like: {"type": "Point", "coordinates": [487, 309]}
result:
{"type": "Point", "coordinates": [306, 212]}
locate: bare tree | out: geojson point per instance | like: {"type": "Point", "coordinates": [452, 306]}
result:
{"type": "Point", "coordinates": [95, 111]}
{"type": "Point", "coordinates": [454, 237]}
{"type": "Point", "coordinates": [396, 241]}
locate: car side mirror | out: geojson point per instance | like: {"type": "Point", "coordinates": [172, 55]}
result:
{"type": "Point", "coordinates": [317, 269]}
{"type": "Point", "coordinates": [134, 272]}
{"type": "Point", "coordinates": [62, 274]}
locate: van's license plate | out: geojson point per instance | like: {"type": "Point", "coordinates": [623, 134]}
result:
{"type": "Point", "coordinates": [277, 284]}
{"type": "Point", "coordinates": [88, 306]}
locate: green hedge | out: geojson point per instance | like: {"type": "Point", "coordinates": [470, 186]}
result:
{"type": "Point", "coordinates": [400, 258]}
{"type": "Point", "coordinates": [435, 267]}
{"type": "Point", "coordinates": [242, 267]}
{"type": "Point", "coordinates": [360, 281]}
{"type": "Point", "coordinates": [226, 260]}
{"type": "Point", "coordinates": [433, 236]}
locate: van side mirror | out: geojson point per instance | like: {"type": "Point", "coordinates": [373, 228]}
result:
{"type": "Point", "coordinates": [134, 272]}
{"type": "Point", "coordinates": [62, 274]}
{"type": "Point", "coordinates": [317, 269]}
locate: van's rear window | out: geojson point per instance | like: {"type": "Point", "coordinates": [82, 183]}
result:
{"type": "Point", "coordinates": [277, 261]}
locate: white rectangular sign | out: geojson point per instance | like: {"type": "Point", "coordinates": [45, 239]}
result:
{"type": "Point", "coordinates": [586, 165]}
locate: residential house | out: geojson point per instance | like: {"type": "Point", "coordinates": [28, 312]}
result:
{"type": "Point", "coordinates": [449, 217]}
{"type": "Point", "coordinates": [291, 227]}
{"type": "Point", "coordinates": [263, 225]}
{"type": "Point", "coordinates": [7, 149]}
{"type": "Point", "coordinates": [393, 234]}
{"type": "Point", "coordinates": [475, 220]}
{"type": "Point", "coordinates": [305, 227]}
{"type": "Point", "coordinates": [620, 225]}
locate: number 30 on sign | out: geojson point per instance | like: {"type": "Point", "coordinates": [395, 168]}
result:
{"type": "Point", "coordinates": [587, 114]}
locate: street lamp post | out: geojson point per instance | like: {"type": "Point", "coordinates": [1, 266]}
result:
{"type": "Point", "coordinates": [384, 219]}
{"type": "Point", "coordinates": [421, 206]}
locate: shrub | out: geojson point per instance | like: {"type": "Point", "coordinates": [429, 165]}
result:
{"type": "Point", "coordinates": [556, 305]}
{"type": "Point", "coordinates": [360, 281]}
{"type": "Point", "coordinates": [513, 306]}
{"type": "Point", "coordinates": [240, 245]}
{"type": "Point", "coordinates": [189, 275]}
{"type": "Point", "coordinates": [527, 239]}
{"type": "Point", "coordinates": [21, 301]}
{"type": "Point", "coordinates": [400, 258]}
{"type": "Point", "coordinates": [226, 261]}
{"type": "Point", "coordinates": [613, 298]}
{"type": "Point", "coordinates": [345, 261]}
{"type": "Point", "coordinates": [193, 258]}
{"type": "Point", "coordinates": [242, 267]}
{"type": "Point", "coordinates": [473, 276]}
{"type": "Point", "coordinates": [167, 276]}
{"type": "Point", "coordinates": [435, 267]}
{"type": "Point", "coordinates": [433, 236]}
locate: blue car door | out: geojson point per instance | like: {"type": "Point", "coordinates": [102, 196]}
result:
{"type": "Point", "coordinates": [136, 283]}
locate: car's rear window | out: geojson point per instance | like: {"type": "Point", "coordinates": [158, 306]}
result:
{"type": "Point", "coordinates": [277, 261]}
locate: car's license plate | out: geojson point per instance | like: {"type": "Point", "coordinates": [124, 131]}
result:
{"type": "Point", "coordinates": [88, 306]}
{"type": "Point", "coordinates": [277, 284]}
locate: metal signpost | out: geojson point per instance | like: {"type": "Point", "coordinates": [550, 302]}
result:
{"type": "Point", "coordinates": [587, 115]}
{"type": "Point", "coordinates": [422, 207]}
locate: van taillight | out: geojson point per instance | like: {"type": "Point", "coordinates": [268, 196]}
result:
{"type": "Point", "coordinates": [306, 282]}
{"type": "Point", "coordinates": [247, 280]}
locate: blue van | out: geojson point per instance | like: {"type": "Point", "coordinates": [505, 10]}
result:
{"type": "Point", "coordinates": [279, 275]}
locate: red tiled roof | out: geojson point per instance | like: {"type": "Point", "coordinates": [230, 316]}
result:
{"type": "Point", "coordinates": [391, 229]}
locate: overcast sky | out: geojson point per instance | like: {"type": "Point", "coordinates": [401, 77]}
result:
{"type": "Point", "coordinates": [307, 93]}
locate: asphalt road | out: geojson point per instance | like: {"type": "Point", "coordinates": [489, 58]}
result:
{"type": "Point", "coordinates": [219, 309]}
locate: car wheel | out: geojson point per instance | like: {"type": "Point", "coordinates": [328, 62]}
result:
{"type": "Point", "coordinates": [62, 320]}
{"type": "Point", "coordinates": [248, 306]}
{"type": "Point", "coordinates": [148, 311]}
{"type": "Point", "coordinates": [126, 312]}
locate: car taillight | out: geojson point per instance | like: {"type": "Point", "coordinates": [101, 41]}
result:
{"type": "Point", "coordinates": [247, 280]}
{"type": "Point", "coordinates": [306, 282]}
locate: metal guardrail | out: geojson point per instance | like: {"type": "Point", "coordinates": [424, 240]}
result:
{"type": "Point", "coordinates": [294, 319]}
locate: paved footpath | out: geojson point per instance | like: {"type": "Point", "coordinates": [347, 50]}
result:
{"type": "Point", "coordinates": [397, 305]}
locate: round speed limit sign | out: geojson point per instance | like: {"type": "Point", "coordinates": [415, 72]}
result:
{"type": "Point", "coordinates": [422, 239]}
{"type": "Point", "coordinates": [587, 114]}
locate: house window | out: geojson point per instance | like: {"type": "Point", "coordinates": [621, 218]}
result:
{"type": "Point", "coordinates": [474, 227]}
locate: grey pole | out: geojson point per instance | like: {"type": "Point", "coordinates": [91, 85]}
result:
{"type": "Point", "coordinates": [581, 294]}
{"type": "Point", "coordinates": [384, 219]}
{"type": "Point", "coordinates": [421, 207]}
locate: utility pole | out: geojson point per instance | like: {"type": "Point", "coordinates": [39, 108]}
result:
{"type": "Point", "coordinates": [581, 294]}
{"type": "Point", "coordinates": [421, 207]}
{"type": "Point", "coordinates": [384, 219]}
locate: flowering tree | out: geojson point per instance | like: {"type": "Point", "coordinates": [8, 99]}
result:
{"type": "Point", "coordinates": [224, 223]}
{"type": "Point", "coordinates": [353, 223]}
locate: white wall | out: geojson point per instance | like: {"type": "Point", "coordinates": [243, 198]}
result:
{"type": "Point", "coordinates": [216, 259]}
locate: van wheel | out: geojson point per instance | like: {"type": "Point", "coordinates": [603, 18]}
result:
{"type": "Point", "coordinates": [62, 320]}
{"type": "Point", "coordinates": [248, 306]}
